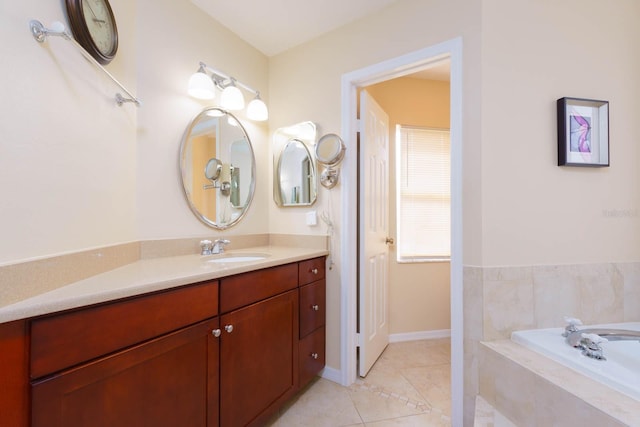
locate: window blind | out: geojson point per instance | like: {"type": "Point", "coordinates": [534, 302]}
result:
{"type": "Point", "coordinates": [423, 193]}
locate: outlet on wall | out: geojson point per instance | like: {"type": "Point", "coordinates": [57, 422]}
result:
{"type": "Point", "coordinates": [312, 218]}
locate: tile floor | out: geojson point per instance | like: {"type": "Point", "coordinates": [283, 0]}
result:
{"type": "Point", "coordinates": [408, 386]}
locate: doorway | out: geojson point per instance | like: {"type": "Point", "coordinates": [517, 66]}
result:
{"type": "Point", "coordinates": [376, 73]}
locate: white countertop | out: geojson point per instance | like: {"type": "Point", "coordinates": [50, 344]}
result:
{"type": "Point", "coordinates": [149, 275]}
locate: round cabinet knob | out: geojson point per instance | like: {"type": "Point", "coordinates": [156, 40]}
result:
{"type": "Point", "coordinates": [216, 332]}
{"type": "Point", "coordinates": [315, 307]}
{"type": "Point", "coordinates": [228, 328]}
{"type": "Point", "coordinates": [314, 355]}
{"type": "Point", "coordinates": [314, 271]}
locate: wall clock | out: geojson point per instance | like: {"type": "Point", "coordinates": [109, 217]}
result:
{"type": "Point", "coordinates": [94, 27]}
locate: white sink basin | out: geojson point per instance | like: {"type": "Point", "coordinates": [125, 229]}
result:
{"type": "Point", "coordinates": [228, 258]}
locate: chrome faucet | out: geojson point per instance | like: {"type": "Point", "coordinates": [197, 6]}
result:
{"type": "Point", "coordinates": [216, 247]}
{"type": "Point", "coordinates": [574, 338]}
{"type": "Point", "coordinates": [588, 340]}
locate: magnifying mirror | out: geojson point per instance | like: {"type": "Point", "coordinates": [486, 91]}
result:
{"type": "Point", "coordinates": [330, 151]}
{"type": "Point", "coordinates": [212, 169]}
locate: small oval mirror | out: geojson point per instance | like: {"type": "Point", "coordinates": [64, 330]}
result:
{"type": "Point", "coordinates": [295, 182]}
{"type": "Point", "coordinates": [217, 166]}
{"type": "Point", "coordinates": [330, 150]}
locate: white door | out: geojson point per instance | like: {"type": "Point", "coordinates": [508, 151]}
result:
{"type": "Point", "coordinates": [374, 228]}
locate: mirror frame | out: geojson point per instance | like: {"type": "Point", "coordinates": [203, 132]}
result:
{"type": "Point", "coordinates": [182, 168]}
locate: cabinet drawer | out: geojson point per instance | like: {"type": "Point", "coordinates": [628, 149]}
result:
{"type": "Point", "coordinates": [247, 288]}
{"type": "Point", "coordinates": [64, 340]}
{"type": "Point", "coordinates": [312, 356]}
{"type": "Point", "coordinates": [311, 270]}
{"type": "Point", "coordinates": [312, 307]}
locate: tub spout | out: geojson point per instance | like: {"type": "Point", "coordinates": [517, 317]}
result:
{"type": "Point", "coordinates": [574, 338]}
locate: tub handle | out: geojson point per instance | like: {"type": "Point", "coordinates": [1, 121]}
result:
{"type": "Point", "coordinates": [572, 325]}
{"type": "Point", "coordinates": [591, 344]}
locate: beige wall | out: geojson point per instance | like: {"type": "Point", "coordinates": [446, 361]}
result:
{"type": "Point", "coordinates": [67, 153]}
{"type": "Point", "coordinates": [309, 77]}
{"type": "Point", "coordinates": [77, 172]}
{"type": "Point", "coordinates": [171, 40]}
{"type": "Point", "coordinates": [419, 296]}
{"type": "Point", "coordinates": [533, 53]}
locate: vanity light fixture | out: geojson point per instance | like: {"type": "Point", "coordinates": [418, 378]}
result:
{"type": "Point", "coordinates": [202, 85]}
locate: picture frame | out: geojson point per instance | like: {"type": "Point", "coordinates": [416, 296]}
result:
{"type": "Point", "coordinates": [583, 132]}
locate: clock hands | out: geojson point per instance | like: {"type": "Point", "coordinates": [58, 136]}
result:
{"type": "Point", "coordinates": [95, 18]}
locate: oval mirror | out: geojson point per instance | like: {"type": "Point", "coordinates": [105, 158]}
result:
{"type": "Point", "coordinates": [330, 149]}
{"type": "Point", "coordinates": [217, 166]}
{"type": "Point", "coordinates": [295, 182]}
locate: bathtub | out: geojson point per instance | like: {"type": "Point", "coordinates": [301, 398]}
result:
{"type": "Point", "coordinates": [621, 370]}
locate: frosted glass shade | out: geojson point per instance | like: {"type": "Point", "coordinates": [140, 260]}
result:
{"type": "Point", "coordinates": [232, 99]}
{"type": "Point", "coordinates": [201, 86]}
{"type": "Point", "coordinates": [257, 110]}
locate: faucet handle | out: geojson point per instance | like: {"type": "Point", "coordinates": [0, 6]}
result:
{"type": "Point", "coordinates": [593, 338]}
{"type": "Point", "coordinates": [572, 321]}
{"type": "Point", "coordinates": [591, 346]}
{"type": "Point", "coordinates": [572, 325]}
{"type": "Point", "coordinates": [206, 247]}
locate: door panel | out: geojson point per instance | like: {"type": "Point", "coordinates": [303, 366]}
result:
{"type": "Point", "coordinates": [374, 229]}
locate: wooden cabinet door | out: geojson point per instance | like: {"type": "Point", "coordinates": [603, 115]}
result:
{"type": "Point", "coordinates": [258, 359]}
{"type": "Point", "coordinates": [168, 381]}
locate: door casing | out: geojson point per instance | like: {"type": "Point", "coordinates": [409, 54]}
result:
{"type": "Point", "coordinates": [386, 70]}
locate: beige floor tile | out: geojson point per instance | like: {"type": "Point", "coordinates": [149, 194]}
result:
{"type": "Point", "coordinates": [375, 404]}
{"type": "Point", "coordinates": [409, 385]}
{"type": "Point", "coordinates": [422, 420]}
{"type": "Point", "coordinates": [323, 404]}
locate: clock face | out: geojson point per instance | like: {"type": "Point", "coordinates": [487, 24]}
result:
{"type": "Point", "coordinates": [94, 27]}
{"type": "Point", "coordinates": [100, 24]}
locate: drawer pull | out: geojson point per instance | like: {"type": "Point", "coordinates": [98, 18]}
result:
{"type": "Point", "coordinates": [314, 355]}
{"type": "Point", "coordinates": [228, 328]}
{"type": "Point", "coordinates": [314, 271]}
{"type": "Point", "coordinates": [216, 332]}
{"type": "Point", "coordinates": [315, 307]}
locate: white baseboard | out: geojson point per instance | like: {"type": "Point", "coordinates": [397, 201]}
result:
{"type": "Point", "coordinates": [335, 375]}
{"type": "Point", "coordinates": [420, 335]}
{"type": "Point", "coordinates": [332, 374]}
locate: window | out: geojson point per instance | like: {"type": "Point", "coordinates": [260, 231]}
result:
{"type": "Point", "coordinates": [423, 171]}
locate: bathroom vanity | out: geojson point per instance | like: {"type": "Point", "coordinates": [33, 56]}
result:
{"type": "Point", "coordinates": [229, 351]}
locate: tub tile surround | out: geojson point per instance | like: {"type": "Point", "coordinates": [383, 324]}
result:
{"type": "Point", "coordinates": [35, 279]}
{"type": "Point", "coordinates": [500, 300]}
{"type": "Point", "coordinates": [532, 390]}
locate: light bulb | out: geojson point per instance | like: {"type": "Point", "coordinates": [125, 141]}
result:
{"type": "Point", "coordinates": [231, 98]}
{"type": "Point", "coordinates": [257, 110]}
{"type": "Point", "coordinates": [201, 86]}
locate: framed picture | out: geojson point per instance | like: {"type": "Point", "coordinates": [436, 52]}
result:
{"type": "Point", "coordinates": [583, 132]}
